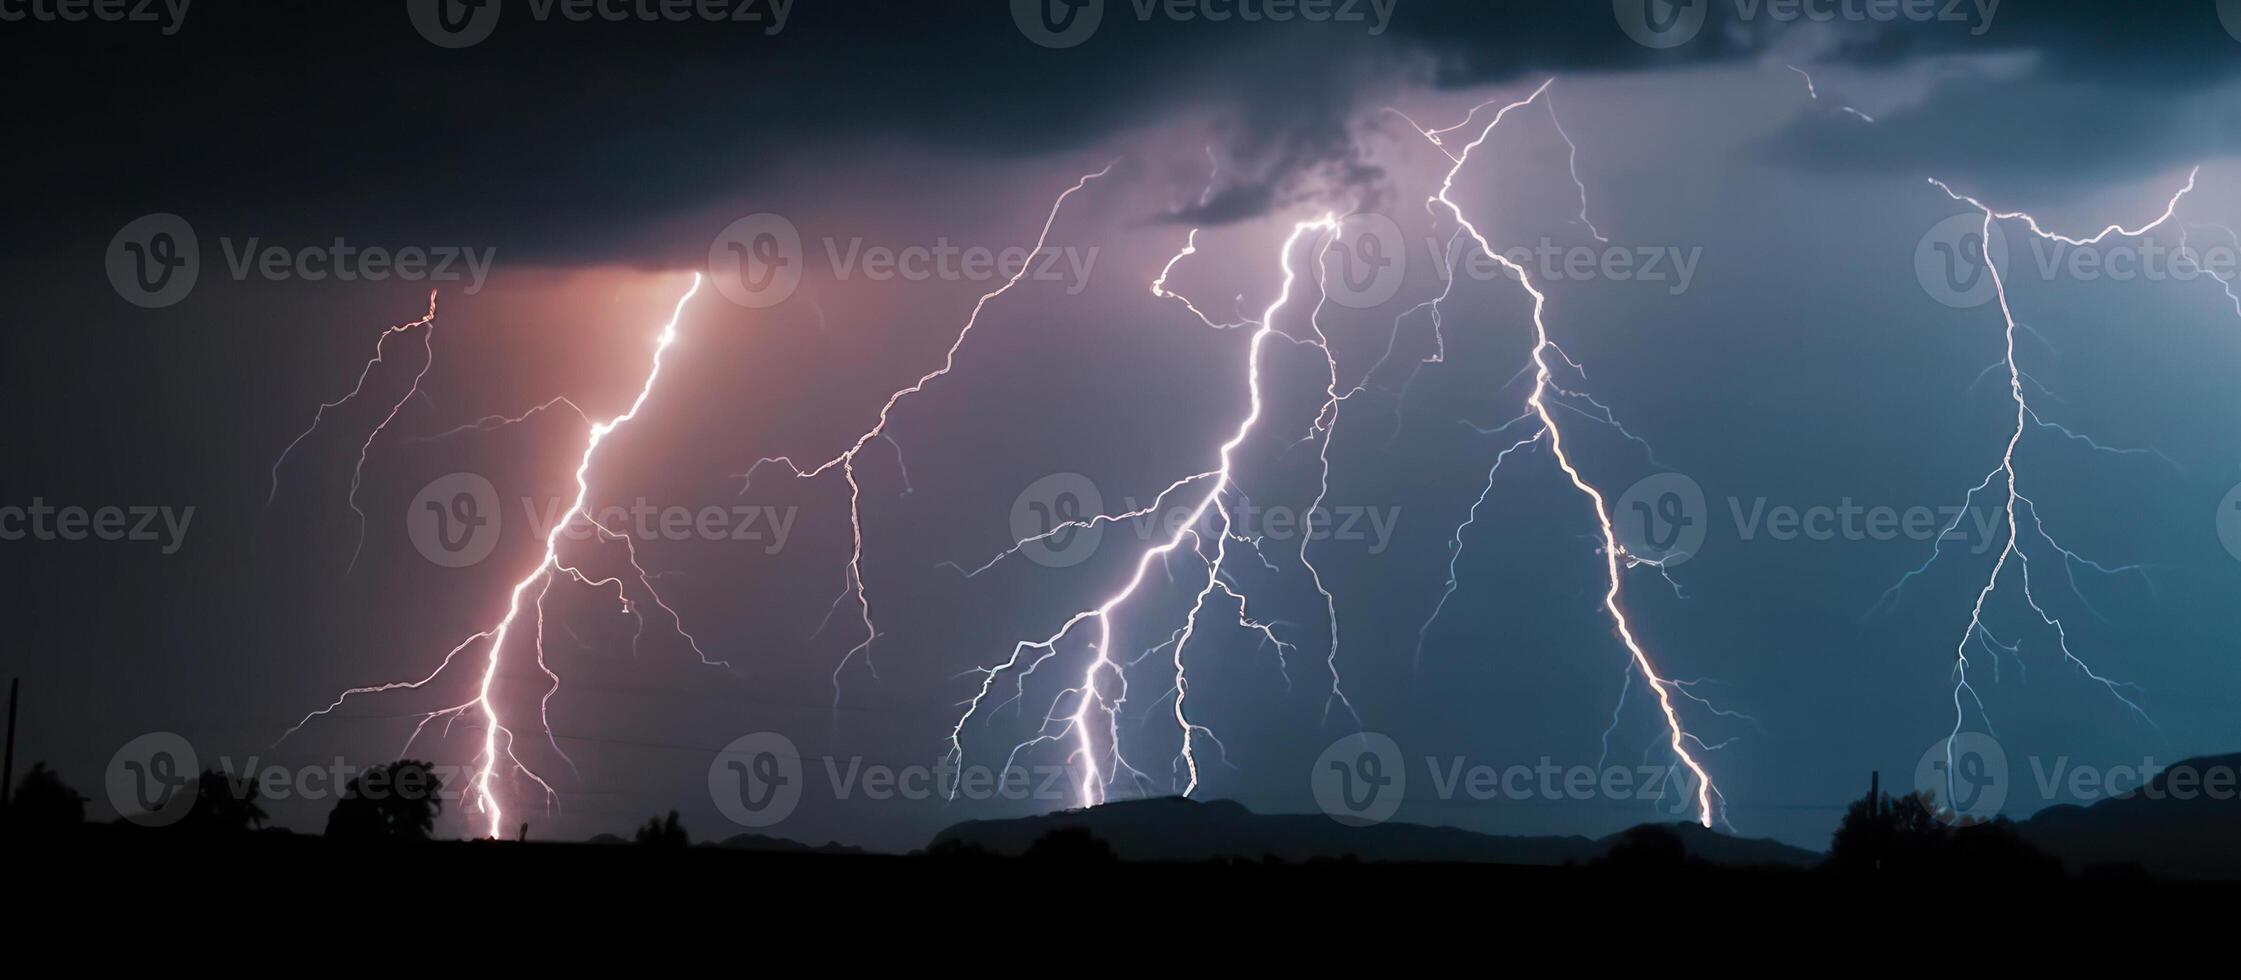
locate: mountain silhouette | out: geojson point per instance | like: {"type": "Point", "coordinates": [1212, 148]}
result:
{"type": "Point", "coordinates": [781, 845]}
{"type": "Point", "coordinates": [1176, 829]}
{"type": "Point", "coordinates": [2186, 822]}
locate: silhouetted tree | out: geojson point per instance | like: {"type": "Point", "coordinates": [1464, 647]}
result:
{"type": "Point", "coordinates": [957, 849]}
{"type": "Point", "coordinates": [1076, 845]}
{"type": "Point", "coordinates": [1647, 848]}
{"type": "Point", "coordinates": [43, 803]}
{"type": "Point", "coordinates": [1886, 833]}
{"type": "Point", "coordinates": [1907, 836]}
{"type": "Point", "coordinates": [224, 804]}
{"type": "Point", "coordinates": [659, 832]}
{"type": "Point", "coordinates": [398, 801]}
{"type": "Point", "coordinates": [1995, 847]}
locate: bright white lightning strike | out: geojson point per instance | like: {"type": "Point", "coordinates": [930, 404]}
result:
{"type": "Point", "coordinates": [548, 566]}
{"type": "Point", "coordinates": [2005, 472]}
{"type": "Point", "coordinates": [1539, 405]}
{"type": "Point", "coordinates": [1103, 688]}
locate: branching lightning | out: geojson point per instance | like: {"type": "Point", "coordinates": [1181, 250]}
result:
{"type": "Point", "coordinates": [358, 472]}
{"type": "Point", "coordinates": [1098, 697]}
{"type": "Point", "coordinates": [1084, 717]}
{"type": "Point", "coordinates": [853, 578]}
{"type": "Point", "coordinates": [1539, 408]}
{"type": "Point", "coordinates": [2017, 504]}
{"type": "Point", "coordinates": [498, 739]}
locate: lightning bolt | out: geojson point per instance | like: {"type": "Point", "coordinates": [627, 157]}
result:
{"type": "Point", "coordinates": [1103, 687]}
{"type": "Point", "coordinates": [1814, 93]}
{"type": "Point", "coordinates": [1539, 408]}
{"type": "Point", "coordinates": [2016, 502]}
{"type": "Point", "coordinates": [853, 578]}
{"type": "Point", "coordinates": [358, 472]}
{"type": "Point", "coordinates": [498, 739]}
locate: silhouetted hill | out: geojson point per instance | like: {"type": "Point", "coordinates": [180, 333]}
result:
{"type": "Point", "coordinates": [780, 845]}
{"type": "Point", "coordinates": [1175, 829]}
{"type": "Point", "coordinates": [2185, 822]}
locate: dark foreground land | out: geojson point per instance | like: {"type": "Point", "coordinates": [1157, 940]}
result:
{"type": "Point", "coordinates": [2127, 877]}
{"type": "Point", "coordinates": [290, 888]}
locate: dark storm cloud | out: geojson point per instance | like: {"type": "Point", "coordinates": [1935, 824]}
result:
{"type": "Point", "coordinates": [553, 140]}
{"type": "Point", "coordinates": [2111, 94]}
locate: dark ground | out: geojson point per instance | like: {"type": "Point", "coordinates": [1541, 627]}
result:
{"type": "Point", "coordinates": [271, 891]}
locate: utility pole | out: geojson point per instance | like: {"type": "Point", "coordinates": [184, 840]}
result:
{"type": "Point", "coordinates": [8, 768]}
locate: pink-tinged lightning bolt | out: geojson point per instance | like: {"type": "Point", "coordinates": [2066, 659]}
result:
{"type": "Point", "coordinates": [358, 472]}
{"type": "Point", "coordinates": [1539, 407]}
{"type": "Point", "coordinates": [540, 578]}
{"type": "Point", "coordinates": [853, 579]}
{"type": "Point", "coordinates": [2005, 473]}
{"type": "Point", "coordinates": [1098, 697]}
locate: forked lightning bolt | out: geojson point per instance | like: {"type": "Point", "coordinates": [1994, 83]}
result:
{"type": "Point", "coordinates": [498, 739]}
{"type": "Point", "coordinates": [1099, 695]}
{"type": "Point", "coordinates": [853, 579]}
{"type": "Point", "coordinates": [2006, 474]}
{"type": "Point", "coordinates": [358, 472]}
{"type": "Point", "coordinates": [1541, 416]}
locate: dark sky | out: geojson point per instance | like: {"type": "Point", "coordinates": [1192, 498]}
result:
{"type": "Point", "coordinates": [1804, 364]}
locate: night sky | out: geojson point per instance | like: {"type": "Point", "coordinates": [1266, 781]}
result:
{"type": "Point", "coordinates": [1802, 358]}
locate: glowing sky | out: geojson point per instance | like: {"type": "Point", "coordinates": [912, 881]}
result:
{"type": "Point", "coordinates": [1804, 364]}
